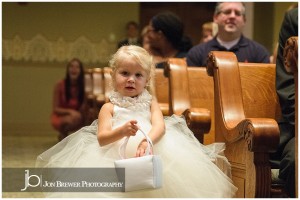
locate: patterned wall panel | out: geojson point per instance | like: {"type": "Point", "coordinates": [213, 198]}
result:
{"type": "Point", "coordinates": [40, 49]}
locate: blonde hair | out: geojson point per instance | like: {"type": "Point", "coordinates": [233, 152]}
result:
{"type": "Point", "coordinates": [141, 56]}
{"type": "Point", "coordinates": [211, 26]}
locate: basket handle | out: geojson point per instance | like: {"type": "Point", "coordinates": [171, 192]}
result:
{"type": "Point", "coordinates": [122, 148]}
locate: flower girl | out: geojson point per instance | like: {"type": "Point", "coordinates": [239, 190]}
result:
{"type": "Point", "coordinates": [188, 170]}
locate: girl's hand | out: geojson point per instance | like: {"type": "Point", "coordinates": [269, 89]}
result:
{"type": "Point", "coordinates": [130, 128]}
{"type": "Point", "coordinates": [141, 150]}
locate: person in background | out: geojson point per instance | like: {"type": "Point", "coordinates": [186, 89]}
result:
{"type": "Point", "coordinates": [230, 18]}
{"type": "Point", "coordinates": [68, 100]}
{"type": "Point", "coordinates": [284, 157]}
{"type": "Point", "coordinates": [166, 39]}
{"type": "Point", "coordinates": [146, 43]}
{"type": "Point", "coordinates": [132, 35]}
{"type": "Point", "coordinates": [209, 30]}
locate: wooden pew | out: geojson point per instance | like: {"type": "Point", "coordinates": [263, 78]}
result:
{"type": "Point", "coordinates": [88, 81]}
{"type": "Point", "coordinates": [98, 87]}
{"type": "Point", "coordinates": [291, 65]}
{"type": "Point", "coordinates": [89, 112]}
{"type": "Point", "coordinates": [246, 107]}
{"type": "Point", "coordinates": [162, 91]}
{"type": "Point", "coordinates": [88, 87]}
{"type": "Point", "coordinates": [107, 83]}
{"type": "Point", "coordinates": [94, 93]}
{"type": "Point", "coordinates": [191, 95]}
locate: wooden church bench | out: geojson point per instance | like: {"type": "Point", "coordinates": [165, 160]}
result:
{"type": "Point", "coordinates": [98, 87]}
{"type": "Point", "coordinates": [89, 112]}
{"type": "Point", "coordinates": [107, 82]}
{"type": "Point", "coordinates": [94, 93]}
{"type": "Point", "coordinates": [246, 109]}
{"type": "Point", "coordinates": [88, 86]}
{"type": "Point", "coordinates": [191, 95]}
{"type": "Point", "coordinates": [162, 91]}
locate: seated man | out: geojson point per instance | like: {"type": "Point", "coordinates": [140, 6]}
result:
{"type": "Point", "coordinates": [230, 18]}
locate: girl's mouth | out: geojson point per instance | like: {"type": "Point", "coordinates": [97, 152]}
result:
{"type": "Point", "coordinates": [130, 88]}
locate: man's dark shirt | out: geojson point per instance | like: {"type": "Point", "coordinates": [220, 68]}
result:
{"type": "Point", "coordinates": [180, 54]}
{"type": "Point", "coordinates": [246, 50]}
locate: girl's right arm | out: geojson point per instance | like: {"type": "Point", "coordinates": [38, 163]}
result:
{"type": "Point", "coordinates": [106, 134]}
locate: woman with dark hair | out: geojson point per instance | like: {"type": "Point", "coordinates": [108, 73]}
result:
{"type": "Point", "coordinates": [166, 39]}
{"type": "Point", "coordinates": [68, 101]}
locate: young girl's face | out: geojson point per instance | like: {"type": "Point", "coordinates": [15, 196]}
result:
{"type": "Point", "coordinates": [130, 78]}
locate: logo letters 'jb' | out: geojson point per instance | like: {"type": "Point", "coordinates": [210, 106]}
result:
{"type": "Point", "coordinates": [35, 178]}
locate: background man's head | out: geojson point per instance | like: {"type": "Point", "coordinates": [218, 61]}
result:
{"type": "Point", "coordinates": [230, 17]}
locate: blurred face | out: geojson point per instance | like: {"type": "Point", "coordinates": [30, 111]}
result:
{"type": "Point", "coordinates": [130, 78]}
{"type": "Point", "coordinates": [132, 31]}
{"type": "Point", "coordinates": [153, 36]}
{"type": "Point", "coordinates": [207, 35]}
{"type": "Point", "coordinates": [74, 70]}
{"type": "Point", "coordinates": [230, 19]}
{"type": "Point", "coordinates": [145, 39]}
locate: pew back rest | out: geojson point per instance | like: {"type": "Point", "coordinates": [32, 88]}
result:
{"type": "Point", "coordinates": [259, 91]}
{"type": "Point", "coordinates": [88, 81]}
{"type": "Point", "coordinates": [162, 91]}
{"type": "Point", "coordinates": [201, 94]}
{"type": "Point", "coordinates": [191, 95]}
{"type": "Point", "coordinates": [107, 82]}
{"type": "Point", "coordinates": [98, 81]}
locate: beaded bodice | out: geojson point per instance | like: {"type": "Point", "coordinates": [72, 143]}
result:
{"type": "Point", "coordinates": [131, 108]}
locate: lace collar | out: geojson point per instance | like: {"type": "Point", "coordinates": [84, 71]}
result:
{"type": "Point", "coordinates": [142, 100]}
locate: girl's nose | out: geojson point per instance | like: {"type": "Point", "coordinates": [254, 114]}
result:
{"type": "Point", "coordinates": [131, 79]}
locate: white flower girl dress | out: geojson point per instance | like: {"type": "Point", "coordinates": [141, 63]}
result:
{"type": "Point", "coordinates": [188, 170]}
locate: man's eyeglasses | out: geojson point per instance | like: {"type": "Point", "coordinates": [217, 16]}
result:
{"type": "Point", "coordinates": [228, 12]}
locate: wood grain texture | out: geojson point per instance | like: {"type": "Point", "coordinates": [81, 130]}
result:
{"type": "Point", "coordinates": [184, 84]}
{"type": "Point", "coordinates": [162, 91]}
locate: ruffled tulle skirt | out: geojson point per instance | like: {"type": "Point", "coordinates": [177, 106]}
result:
{"type": "Point", "coordinates": [190, 169]}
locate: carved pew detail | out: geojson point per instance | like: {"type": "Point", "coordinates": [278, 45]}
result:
{"type": "Point", "coordinates": [249, 138]}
